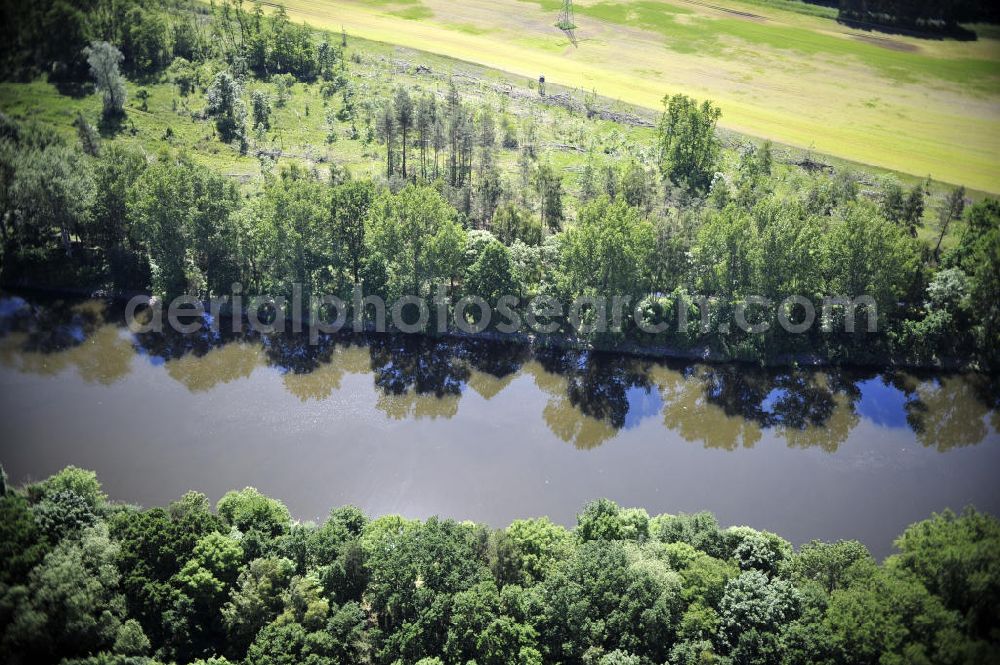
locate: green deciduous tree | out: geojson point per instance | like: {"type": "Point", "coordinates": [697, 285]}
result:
{"type": "Point", "coordinates": [957, 559]}
{"type": "Point", "coordinates": [603, 519]}
{"type": "Point", "coordinates": [884, 618]}
{"type": "Point", "coordinates": [104, 59]}
{"type": "Point", "coordinates": [609, 596]}
{"type": "Point", "coordinates": [978, 256]}
{"type": "Point", "coordinates": [130, 640]}
{"type": "Point", "coordinates": [69, 604]}
{"type": "Point", "coordinates": [225, 104]}
{"type": "Point", "coordinates": [260, 104]}
{"type": "Point", "coordinates": [53, 190]}
{"type": "Point", "coordinates": [511, 223]}
{"type": "Point", "coordinates": [609, 251]}
{"type": "Point", "coordinates": [870, 256]}
{"type": "Point", "coordinates": [492, 275]}
{"type": "Point", "coordinates": [400, 228]}
{"type": "Point", "coordinates": [63, 514]}
{"type": "Point", "coordinates": [23, 544]}
{"type": "Point", "coordinates": [699, 530]}
{"type": "Point", "coordinates": [688, 148]}
{"type": "Point", "coordinates": [950, 210]}
{"type": "Point", "coordinates": [829, 564]}
{"type": "Point", "coordinates": [153, 545]}
{"type": "Point", "coordinates": [183, 214]}
{"type": "Point", "coordinates": [548, 185]}
{"type": "Point", "coordinates": [111, 227]}
{"type": "Point", "coordinates": [183, 74]}
{"type": "Point", "coordinates": [537, 546]}
{"type": "Point", "coordinates": [414, 570]}
{"type": "Point", "coordinates": [80, 482]}
{"type": "Point", "coordinates": [257, 600]}
{"type": "Point", "coordinates": [349, 207]}
{"type": "Point", "coordinates": [249, 510]}
{"type": "Point", "coordinates": [145, 39]}
{"type": "Point", "coordinates": [751, 609]}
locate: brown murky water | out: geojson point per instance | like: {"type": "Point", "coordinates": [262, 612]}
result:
{"type": "Point", "coordinates": [486, 431]}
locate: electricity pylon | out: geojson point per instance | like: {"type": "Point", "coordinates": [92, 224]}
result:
{"type": "Point", "coordinates": [566, 17]}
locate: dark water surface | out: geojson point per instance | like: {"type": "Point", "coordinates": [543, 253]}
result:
{"type": "Point", "coordinates": [487, 431]}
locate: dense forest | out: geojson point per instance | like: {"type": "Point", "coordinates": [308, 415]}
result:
{"type": "Point", "coordinates": [467, 199]}
{"type": "Point", "coordinates": [88, 581]}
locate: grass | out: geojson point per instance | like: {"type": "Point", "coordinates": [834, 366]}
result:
{"type": "Point", "coordinates": [300, 128]}
{"type": "Point", "coordinates": [799, 6]}
{"type": "Point", "coordinates": [789, 74]}
{"type": "Point", "coordinates": [413, 13]}
{"type": "Point", "coordinates": [467, 28]}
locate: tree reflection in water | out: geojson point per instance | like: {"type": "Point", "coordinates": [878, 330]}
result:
{"type": "Point", "coordinates": [49, 338]}
{"type": "Point", "coordinates": [318, 384]}
{"type": "Point", "coordinates": [563, 418]}
{"type": "Point", "coordinates": [493, 364]}
{"type": "Point", "coordinates": [205, 359]}
{"type": "Point", "coordinates": [589, 397]}
{"type": "Point", "coordinates": [417, 376]}
{"type": "Point", "coordinates": [953, 410]}
{"type": "Point", "coordinates": [589, 393]}
{"type": "Point", "coordinates": [689, 411]}
{"type": "Point", "coordinates": [598, 384]}
{"type": "Point", "coordinates": [218, 365]}
{"type": "Point", "coordinates": [728, 406]}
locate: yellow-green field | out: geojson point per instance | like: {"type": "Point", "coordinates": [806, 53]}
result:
{"type": "Point", "coordinates": [919, 106]}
